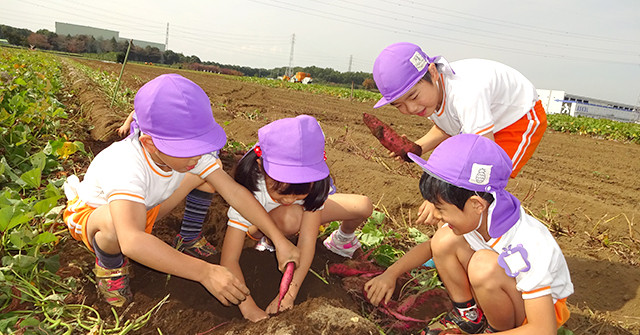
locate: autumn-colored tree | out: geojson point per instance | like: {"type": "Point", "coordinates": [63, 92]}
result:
{"type": "Point", "coordinates": [39, 41]}
{"type": "Point", "coordinates": [369, 84]}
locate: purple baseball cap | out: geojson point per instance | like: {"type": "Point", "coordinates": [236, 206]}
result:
{"type": "Point", "coordinates": [399, 67]}
{"type": "Point", "coordinates": [177, 114]}
{"type": "Point", "coordinates": [476, 163]}
{"type": "Point", "coordinates": [293, 150]}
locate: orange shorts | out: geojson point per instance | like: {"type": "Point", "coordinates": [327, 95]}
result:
{"type": "Point", "coordinates": [521, 138]}
{"type": "Point", "coordinates": [562, 312]}
{"type": "Point", "coordinates": [77, 214]}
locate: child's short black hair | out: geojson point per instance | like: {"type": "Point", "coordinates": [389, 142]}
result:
{"type": "Point", "coordinates": [249, 171]}
{"type": "Point", "coordinates": [437, 191]}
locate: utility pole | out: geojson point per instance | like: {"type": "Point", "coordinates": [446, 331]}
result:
{"type": "Point", "coordinates": [290, 69]}
{"type": "Point", "coordinates": [166, 39]}
{"type": "Point", "coordinates": [350, 62]}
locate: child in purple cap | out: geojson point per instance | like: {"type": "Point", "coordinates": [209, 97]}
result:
{"type": "Point", "coordinates": [469, 96]}
{"type": "Point", "coordinates": [134, 182]}
{"type": "Point", "coordinates": [488, 250]}
{"type": "Point", "coordinates": [287, 173]}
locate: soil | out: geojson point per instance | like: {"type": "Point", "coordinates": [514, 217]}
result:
{"type": "Point", "coordinates": [585, 189]}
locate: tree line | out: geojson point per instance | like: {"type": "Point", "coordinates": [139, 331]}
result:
{"type": "Point", "coordinates": [48, 40]}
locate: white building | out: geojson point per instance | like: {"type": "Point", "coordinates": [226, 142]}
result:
{"type": "Point", "coordinates": [98, 33]}
{"type": "Point", "coordinates": [555, 101]}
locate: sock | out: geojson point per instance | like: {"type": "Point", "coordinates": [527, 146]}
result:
{"type": "Point", "coordinates": [468, 309]}
{"type": "Point", "coordinates": [343, 237]}
{"type": "Point", "coordinates": [195, 211]}
{"type": "Point", "coordinates": [105, 260]}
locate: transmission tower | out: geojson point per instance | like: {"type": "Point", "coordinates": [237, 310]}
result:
{"type": "Point", "coordinates": [166, 39]}
{"type": "Point", "coordinates": [289, 72]}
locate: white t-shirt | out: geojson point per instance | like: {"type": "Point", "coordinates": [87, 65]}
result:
{"type": "Point", "coordinates": [238, 221]}
{"type": "Point", "coordinates": [483, 96]}
{"type": "Point", "coordinates": [125, 171]}
{"type": "Point", "coordinates": [548, 272]}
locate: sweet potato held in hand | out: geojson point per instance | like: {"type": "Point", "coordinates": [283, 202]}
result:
{"type": "Point", "coordinates": [285, 282]}
{"type": "Point", "coordinates": [389, 138]}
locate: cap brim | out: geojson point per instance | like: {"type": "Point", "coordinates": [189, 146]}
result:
{"type": "Point", "coordinates": [296, 174]}
{"type": "Point", "coordinates": [424, 165]}
{"type": "Point", "coordinates": [396, 96]}
{"type": "Point", "coordinates": [211, 141]}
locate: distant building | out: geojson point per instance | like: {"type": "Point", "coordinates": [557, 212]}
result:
{"type": "Point", "coordinates": [555, 102]}
{"type": "Point", "coordinates": [105, 34]}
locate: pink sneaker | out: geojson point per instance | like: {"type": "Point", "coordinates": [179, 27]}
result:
{"type": "Point", "coordinates": [343, 249]}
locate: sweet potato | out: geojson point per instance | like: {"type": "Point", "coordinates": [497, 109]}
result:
{"type": "Point", "coordinates": [389, 138]}
{"type": "Point", "coordinates": [287, 277]}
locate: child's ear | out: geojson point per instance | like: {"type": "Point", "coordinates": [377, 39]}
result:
{"type": "Point", "coordinates": [478, 204]}
{"type": "Point", "coordinates": [433, 72]}
{"type": "Point", "coordinates": [147, 143]}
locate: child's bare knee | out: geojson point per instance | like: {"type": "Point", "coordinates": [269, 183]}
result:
{"type": "Point", "coordinates": [444, 242]}
{"type": "Point", "coordinates": [484, 269]}
{"type": "Point", "coordinates": [365, 206]}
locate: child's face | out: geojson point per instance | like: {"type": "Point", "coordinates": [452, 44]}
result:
{"type": "Point", "coordinates": [460, 221]}
{"type": "Point", "coordinates": [283, 199]}
{"type": "Point", "coordinates": [423, 99]}
{"type": "Point", "coordinates": [178, 164]}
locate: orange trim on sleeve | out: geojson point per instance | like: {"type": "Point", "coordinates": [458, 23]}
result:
{"type": "Point", "coordinates": [127, 194]}
{"type": "Point", "coordinates": [207, 169]}
{"type": "Point", "coordinates": [239, 224]}
{"type": "Point", "coordinates": [483, 131]}
{"type": "Point", "coordinates": [538, 290]}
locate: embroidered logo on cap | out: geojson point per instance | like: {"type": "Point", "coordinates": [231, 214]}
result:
{"type": "Point", "coordinates": [480, 174]}
{"type": "Point", "coordinates": [418, 61]}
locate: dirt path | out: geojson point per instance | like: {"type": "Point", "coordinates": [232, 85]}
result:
{"type": "Point", "coordinates": [586, 189]}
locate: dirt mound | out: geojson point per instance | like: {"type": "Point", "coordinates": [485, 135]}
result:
{"type": "Point", "coordinates": [584, 189]}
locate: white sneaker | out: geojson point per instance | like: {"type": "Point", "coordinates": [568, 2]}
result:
{"type": "Point", "coordinates": [344, 249]}
{"type": "Point", "coordinates": [264, 245]}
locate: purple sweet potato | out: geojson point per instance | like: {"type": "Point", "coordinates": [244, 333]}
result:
{"type": "Point", "coordinates": [287, 277]}
{"type": "Point", "coordinates": [389, 138]}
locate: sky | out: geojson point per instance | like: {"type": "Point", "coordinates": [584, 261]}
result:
{"type": "Point", "coordinates": [583, 47]}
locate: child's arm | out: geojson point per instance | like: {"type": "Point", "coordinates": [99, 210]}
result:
{"type": "Point", "coordinates": [541, 318]}
{"type": "Point", "coordinates": [129, 222]}
{"type": "Point", "coordinates": [238, 197]}
{"type": "Point", "coordinates": [381, 287]}
{"type": "Point", "coordinates": [307, 239]}
{"type": "Point", "coordinates": [230, 258]}
{"type": "Point", "coordinates": [431, 140]}
{"type": "Point", "coordinates": [124, 128]}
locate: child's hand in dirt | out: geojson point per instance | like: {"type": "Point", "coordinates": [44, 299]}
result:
{"type": "Point", "coordinates": [252, 312]}
{"type": "Point", "coordinates": [286, 303]}
{"type": "Point", "coordinates": [224, 285]}
{"type": "Point", "coordinates": [286, 252]}
{"type": "Point", "coordinates": [426, 214]}
{"type": "Point", "coordinates": [123, 130]}
{"type": "Point", "coordinates": [380, 288]}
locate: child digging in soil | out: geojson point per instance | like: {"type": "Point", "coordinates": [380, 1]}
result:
{"type": "Point", "coordinates": [134, 182]}
{"type": "Point", "coordinates": [287, 173]}
{"type": "Point", "coordinates": [501, 267]}
{"type": "Point", "coordinates": [470, 96]}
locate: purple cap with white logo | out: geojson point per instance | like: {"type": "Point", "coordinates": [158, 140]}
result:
{"type": "Point", "coordinates": [399, 67]}
{"type": "Point", "coordinates": [476, 163]}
